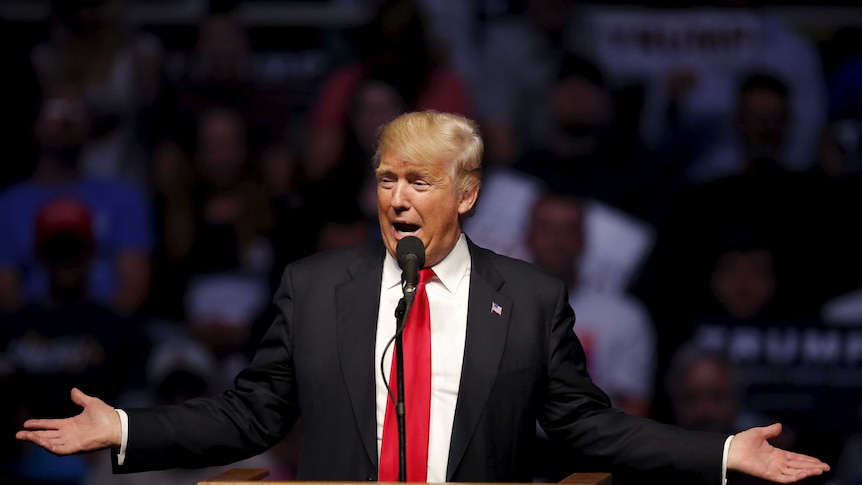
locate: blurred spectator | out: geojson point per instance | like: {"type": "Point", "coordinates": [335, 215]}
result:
{"type": "Point", "coordinates": [614, 328]}
{"type": "Point", "coordinates": [119, 275]}
{"type": "Point", "coordinates": [376, 101]}
{"type": "Point", "coordinates": [455, 27]}
{"type": "Point", "coordinates": [67, 340]}
{"type": "Point", "coordinates": [216, 254]}
{"type": "Point", "coordinates": [690, 61]}
{"type": "Point", "coordinates": [583, 149]}
{"type": "Point", "coordinates": [118, 70]}
{"type": "Point", "coordinates": [706, 393]}
{"type": "Point", "coordinates": [520, 56]}
{"type": "Point", "coordinates": [761, 121]}
{"type": "Point", "coordinates": [219, 71]}
{"type": "Point", "coordinates": [394, 44]}
{"type": "Point", "coordinates": [351, 184]}
{"type": "Point", "coordinates": [743, 282]}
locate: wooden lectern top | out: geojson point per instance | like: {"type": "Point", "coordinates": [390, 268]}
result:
{"type": "Point", "coordinates": [255, 476]}
{"type": "Point", "coordinates": [238, 476]}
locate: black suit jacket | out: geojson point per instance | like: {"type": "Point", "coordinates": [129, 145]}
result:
{"type": "Point", "coordinates": [317, 361]}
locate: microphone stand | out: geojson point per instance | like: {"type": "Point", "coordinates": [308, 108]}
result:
{"type": "Point", "coordinates": [401, 313]}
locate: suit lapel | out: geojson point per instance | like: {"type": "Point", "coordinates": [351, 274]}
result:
{"type": "Point", "coordinates": [486, 339]}
{"type": "Point", "coordinates": [357, 302]}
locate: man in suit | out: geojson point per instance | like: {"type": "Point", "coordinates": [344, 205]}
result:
{"type": "Point", "coordinates": [503, 356]}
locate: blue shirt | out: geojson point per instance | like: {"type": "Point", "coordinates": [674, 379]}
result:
{"type": "Point", "coordinates": [121, 220]}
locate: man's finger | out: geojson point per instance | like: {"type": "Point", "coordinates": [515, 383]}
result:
{"type": "Point", "coordinates": [39, 424]}
{"type": "Point", "coordinates": [804, 458]}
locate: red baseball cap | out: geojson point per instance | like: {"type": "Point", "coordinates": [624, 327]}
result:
{"type": "Point", "coordinates": [64, 216]}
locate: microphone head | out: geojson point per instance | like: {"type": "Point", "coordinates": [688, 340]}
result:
{"type": "Point", "coordinates": [409, 248]}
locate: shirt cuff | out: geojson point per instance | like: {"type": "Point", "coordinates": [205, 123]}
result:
{"type": "Point", "coordinates": [724, 459]}
{"type": "Point", "coordinates": [124, 436]}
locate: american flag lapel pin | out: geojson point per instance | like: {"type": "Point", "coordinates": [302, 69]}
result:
{"type": "Point", "coordinates": [495, 308]}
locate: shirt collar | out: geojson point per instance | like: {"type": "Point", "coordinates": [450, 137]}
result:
{"type": "Point", "coordinates": [449, 271]}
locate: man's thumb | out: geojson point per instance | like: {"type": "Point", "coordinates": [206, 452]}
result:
{"type": "Point", "coordinates": [79, 398]}
{"type": "Point", "coordinates": [773, 430]}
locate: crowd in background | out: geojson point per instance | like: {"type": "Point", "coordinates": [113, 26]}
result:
{"type": "Point", "coordinates": [691, 173]}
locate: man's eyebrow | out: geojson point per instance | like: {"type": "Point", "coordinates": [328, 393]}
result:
{"type": "Point", "coordinates": [420, 172]}
{"type": "Point", "coordinates": [411, 173]}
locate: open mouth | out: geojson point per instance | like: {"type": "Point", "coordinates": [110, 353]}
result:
{"type": "Point", "coordinates": [405, 228]}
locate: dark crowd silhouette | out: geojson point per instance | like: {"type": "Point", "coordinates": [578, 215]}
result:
{"type": "Point", "coordinates": [691, 171]}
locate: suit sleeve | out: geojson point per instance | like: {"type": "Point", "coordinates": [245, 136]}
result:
{"type": "Point", "coordinates": [244, 421]}
{"type": "Point", "coordinates": [578, 414]}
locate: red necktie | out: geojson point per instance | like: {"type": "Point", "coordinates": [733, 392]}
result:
{"type": "Point", "coordinates": [416, 339]}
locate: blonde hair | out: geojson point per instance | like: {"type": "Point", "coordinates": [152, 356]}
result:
{"type": "Point", "coordinates": [426, 137]}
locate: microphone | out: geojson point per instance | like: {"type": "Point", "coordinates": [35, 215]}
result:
{"type": "Point", "coordinates": [410, 253]}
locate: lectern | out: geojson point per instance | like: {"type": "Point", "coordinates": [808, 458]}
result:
{"type": "Point", "coordinates": [255, 476]}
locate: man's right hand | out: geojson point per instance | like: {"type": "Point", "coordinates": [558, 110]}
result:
{"type": "Point", "coordinates": [96, 428]}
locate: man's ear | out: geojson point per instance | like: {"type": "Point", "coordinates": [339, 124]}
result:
{"type": "Point", "coordinates": [468, 199]}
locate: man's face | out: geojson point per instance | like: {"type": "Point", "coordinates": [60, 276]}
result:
{"type": "Point", "coordinates": [744, 281]}
{"type": "Point", "coordinates": [707, 398]}
{"type": "Point", "coordinates": [556, 234]}
{"type": "Point", "coordinates": [221, 153]}
{"type": "Point", "coordinates": [376, 103]}
{"type": "Point", "coordinates": [415, 199]}
{"type": "Point", "coordinates": [763, 121]}
{"type": "Point", "coordinates": [63, 121]}
{"type": "Point", "coordinates": [222, 45]}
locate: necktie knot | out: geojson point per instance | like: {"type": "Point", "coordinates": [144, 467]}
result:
{"type": "Point", "coordinates": [425, 275]}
